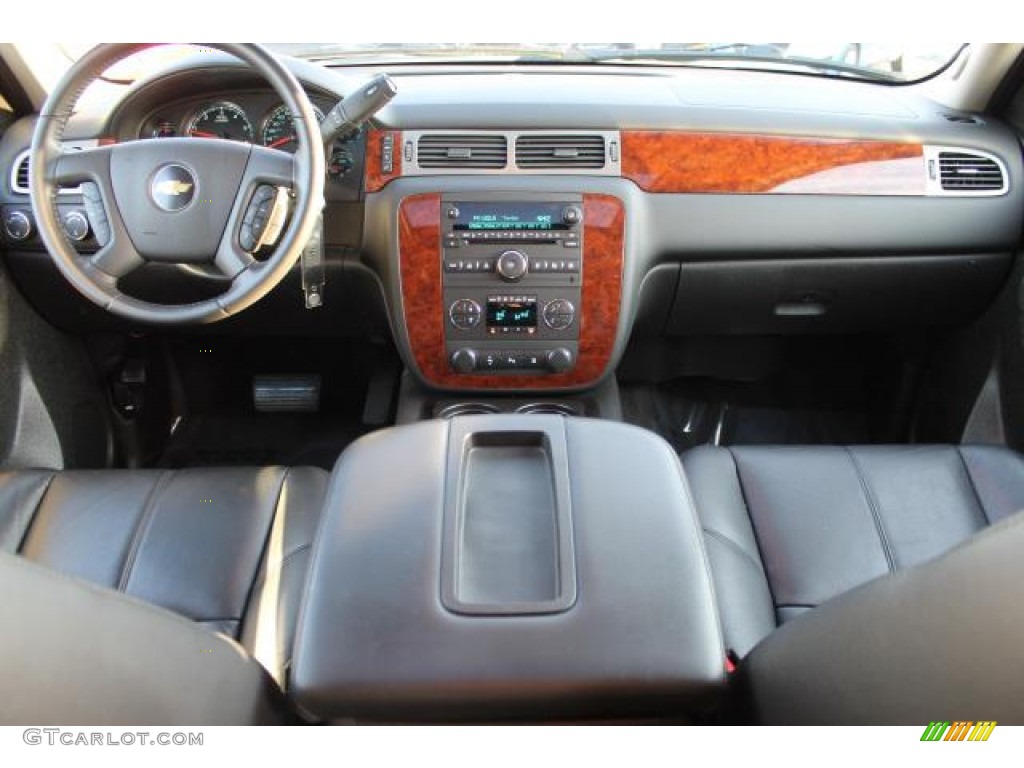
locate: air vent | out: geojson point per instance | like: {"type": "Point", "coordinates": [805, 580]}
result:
{"type": "Point", "coordinates": [560, 151]}
{"type": "Point", "coordinates": [962, 171]}
{"type": "Point", "coordinates": [20, 180]}
{"type": "Point", "coordinates": [462, 151]}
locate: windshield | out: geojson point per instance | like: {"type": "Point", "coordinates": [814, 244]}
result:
{"type": "Point", "coordinates": [894, 62]}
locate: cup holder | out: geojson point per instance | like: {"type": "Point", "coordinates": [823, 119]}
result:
{"type": "Point", "coordinates": [553, 409]}
{"type": "Point", "coordinates": [466, 409]}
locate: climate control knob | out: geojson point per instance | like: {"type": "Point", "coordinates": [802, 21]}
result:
{"type": "Point", "coordinates": [464, 314]}
{"type": "Point", "coordinates": [559, 314]}
{"type": "Point", "coordinates": [559, 360]}
{"type": "Point", "coordinates": [464, 360]}
{"type": "Point", "coordinates": [513, 265]}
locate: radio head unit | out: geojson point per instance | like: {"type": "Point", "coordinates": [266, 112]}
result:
{"type": "Point", "coordinates": [512, 273]}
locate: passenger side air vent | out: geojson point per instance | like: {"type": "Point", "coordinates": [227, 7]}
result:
{"type": "Point", "coordinates": [560, 151]}
{"type": "Point", "coordinates": [963, 171]}
{"type": "Point", "coordinates": [462, 151]}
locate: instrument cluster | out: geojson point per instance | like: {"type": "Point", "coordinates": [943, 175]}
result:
{"type": "Point", "coordinates": [252, 118]}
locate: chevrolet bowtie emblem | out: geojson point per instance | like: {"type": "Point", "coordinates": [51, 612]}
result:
{"type": "Point", "coordinates": [172, 187]}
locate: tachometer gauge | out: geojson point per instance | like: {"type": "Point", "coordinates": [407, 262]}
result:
{"type": "Point", "coordinates": [222, 120]}
{"type": "Point", "coordinates": [279, 128]}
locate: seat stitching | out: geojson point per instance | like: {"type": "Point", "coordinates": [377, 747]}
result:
{"type": "Point", "coordinates": [724, 539]}
{"type": "Point", "coordinates": [876, 514]}
{"type": "Point", "coordinates": [141, 528]}
{"type": "Point", "coordinates": [970, 482]}
{"type": "Point", "coordinates": [750, 519]}
{"type": "Point", "coordinates": [35, 513]}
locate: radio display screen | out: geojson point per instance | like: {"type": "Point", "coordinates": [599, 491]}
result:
{"type": "Point", "coordinates": [511, 314]}
{"type": "Point", "coordinates": [511, 217]}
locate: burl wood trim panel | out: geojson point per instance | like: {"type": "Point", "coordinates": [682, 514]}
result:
{"type": "Point", "coordinates": [676, 161]}
{"type": "Point", "coordinates": [419, 243]}
{"type": "Point", "coordinates": [376, 179]}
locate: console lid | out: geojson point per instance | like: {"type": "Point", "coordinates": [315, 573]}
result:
{"type": "Point", "coordinates": [507, 566]}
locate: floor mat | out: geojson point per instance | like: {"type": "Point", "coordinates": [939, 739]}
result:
{"type": "Point", "coordinates": [690, 412]}
{"type": "Point", "coordinates": [260, 440]}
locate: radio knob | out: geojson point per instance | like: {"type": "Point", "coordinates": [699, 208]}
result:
{"type": "Point", "coordinates": [559, 360]}
{"type": "Point", "coordinates": [464, 314]}
{"type": "Point", "coordinates": [571, 215]}
{"type": "Point", "coordinates": [18, 225]}
{"type": "Point", "coordinates": [513, 265]}
{"type": "Point", "coordinates": [559, 314]}
{"type": "Point", "coordinates": [464, 360]}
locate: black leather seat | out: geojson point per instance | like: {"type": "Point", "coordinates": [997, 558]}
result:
{"type": "Point", "coordinates": [788, 528]}
{"type": "Point", "coordinates": [227, 548]}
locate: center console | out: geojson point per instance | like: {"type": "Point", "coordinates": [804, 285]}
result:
{"type": "Point", "coordinates": [511, 291]}
{"type": "Point", "coordinates": [528, 567]}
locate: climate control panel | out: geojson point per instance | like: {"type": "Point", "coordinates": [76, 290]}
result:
{"type": "Point", "coordinates": [511, 281]}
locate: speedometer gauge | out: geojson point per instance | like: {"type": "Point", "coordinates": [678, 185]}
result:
{"type": "Point", "coordinates": [279, 128]}
{"type": "Point", "coordinates": [221, 120]}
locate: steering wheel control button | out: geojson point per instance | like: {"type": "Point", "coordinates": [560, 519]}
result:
{"type": "Point", "coordinates": [465, 314]}
{"type": "Point", "coordinates": [559, 314]}
{"type": "Point", "coordinates": [96, 213]}
{"type": "Point", "coordinates": [173, 188]}
{"type": "Point", "coordinates": [18, 225]}
{"type": "Point", "coordinates": [75, 226]}
{"type": "Point", "coordinates": [255, 223]}
{"type": "Point", "coordinates": [513, 265]}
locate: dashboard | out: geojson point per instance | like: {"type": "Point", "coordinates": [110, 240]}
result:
{"type": "Point", "coordinates": [709, 203]}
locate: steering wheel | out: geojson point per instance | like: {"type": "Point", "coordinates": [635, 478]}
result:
{"type": "Point", "coordinates": [205, 203]}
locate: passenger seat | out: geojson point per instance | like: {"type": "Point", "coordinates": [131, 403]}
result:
{"type": "Point", "coordinates": [788, 528]}
{"type": "Point", "coordinates": [227, 548]}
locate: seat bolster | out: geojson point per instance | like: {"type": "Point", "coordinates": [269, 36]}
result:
{"type": "Point", "coordinates": [271, 617]}
{"type": "Point", "coordinates": [937, 641]}
{"type": "Point", "coordinates": [84, 655]}
{"type": "Point", "coordinates": [998, 478]}
{"type": "Point", "coordinates": [20, 496]}
{"type": "Point", "coordinates": [744, 599]}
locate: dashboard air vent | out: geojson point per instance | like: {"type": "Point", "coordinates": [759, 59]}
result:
{"type": "Point", "coordinates": [462, 151]}
{"type": "Point", "coordinates": [560, 151]}
{"type": "Point", "coordinates": [962, 171]}
{"type": "Point", "coordinates": [20, 180]}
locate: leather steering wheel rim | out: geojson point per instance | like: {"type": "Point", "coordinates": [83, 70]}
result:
{"type": "Point", "coordinates": [111, 167]}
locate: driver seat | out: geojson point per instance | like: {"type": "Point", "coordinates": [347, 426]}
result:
{"type": "Point", "coordinates": [227, 548]}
